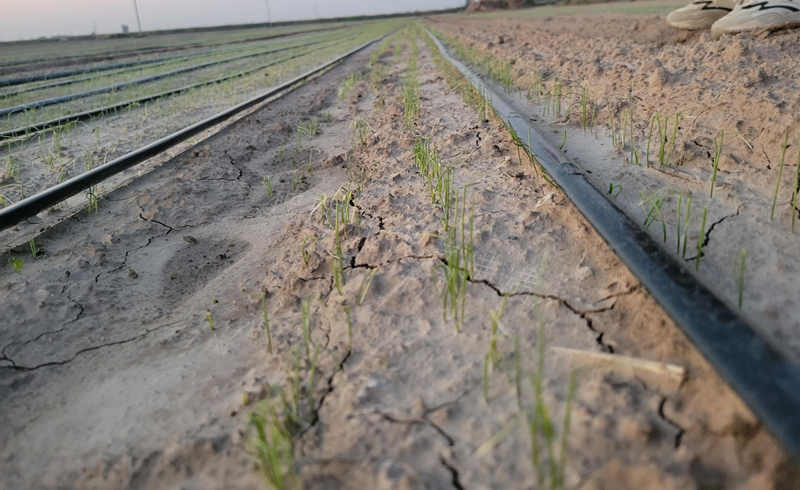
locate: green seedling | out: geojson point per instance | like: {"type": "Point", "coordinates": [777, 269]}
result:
{"type": "Point", "coordinates": [492, 357]}
{"type": "Point", "coordinates": [209, 320]}
{"type": "Point", "coordinates": [11, 169]}
{"type": "Point", "coordinates": [556, 93]}
{"type": "Point", "coordinates": [16, 263]}
{"type": "Point", "coordinates": [33, 247]}
{"type": "Point", "coordinates": [305, 306]}
{"type": "Point", "coordinates": [268, 185]}
{"type": "Point", "coordinates": [362, 130]}
{"type": "Point", "coordinates": [654, 213]}
{"type": "Point", "coordinates": [274, 449]}
{"type": "Point", "coordinates": [674, 136]}
{"type": "Point", "coordinates": [678, 225]}
{"type": "Point", "coordinates": [614, 189]}
{"type": "Point", "coordinates": [549, 466]}
{"type": "Point", "coordinates": [349, 321]}
{"type": "Point", "coordinates": [742, 256]}
{"type": "Point", "coordinates": [305, 253]}
{"type": "Point", "coordinates": [266, 323]}
{"type": "Point", "coordinates": [780, 175]}
{"type": "Point", "coordinates": [796, 188]}
{"type": "Point", "coordinates": [653, 118]}
{"type": "Point", "coordinates": [715, 161]}
{"type": "Point", "coordinates": [584, 102]}
{"type": "Point", "coordinates": [338, 259]}
{"type": "Point", "coordinates": [535, 89]}
{"type": "Point", "coordinates": [701, 240]}
{"type": "Point", "coordinates": [311, 128]}
{"type": "Point", "coordinates": [348, 84]}
{"type": "Point", "coordinates": [93, 199]}
{"type": "Point", "coordinates": [365, 284]}
{"type": "Point", "coordinates": [686, 225]}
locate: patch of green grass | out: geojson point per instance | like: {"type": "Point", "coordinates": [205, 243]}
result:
{"type": "Point", "coordinates": [310, 128]}
{"type": "Point", "coordinates": [362, 130]}
{"type": "Point", "coordinates": [348, 84]}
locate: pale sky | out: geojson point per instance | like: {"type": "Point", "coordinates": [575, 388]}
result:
{"type": "Point", "coordinates": [25, 19]}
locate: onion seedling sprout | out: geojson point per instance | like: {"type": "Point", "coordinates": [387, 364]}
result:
{"type": "Point", "coordinates": [209, 320]}
{"type": "Point", "coordinates": [701, 240]}
{"type": "Point", "coordinates": [365, 284]}
{"type": "Point", "coordinates": [715, 161]}
{"type": "Point", "coordinates": [796, 188]}
{"type": "Point", "coordinates": [16, 263]}
{"type": "Point", "coordinates": [492, 357]}
{"type": "Point", "coordinates": [268, 185]}
{"type": "Point", "coordinates": [266, 323]}
{"type": "Point", "coordinates": [780, 175]}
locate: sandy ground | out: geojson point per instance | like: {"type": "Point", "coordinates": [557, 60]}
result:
{"type": "Point", "coordinates": [112, 376]}
{"type": "Point", "coordinates": [742, 86]}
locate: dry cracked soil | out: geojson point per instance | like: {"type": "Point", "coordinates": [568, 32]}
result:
{"type": "Point", "coordinates": [134, 348]}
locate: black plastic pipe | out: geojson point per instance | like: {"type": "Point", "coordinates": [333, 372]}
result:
{"type": "Point", "coordinates": [6, 111]}
{"type": "Point", "coordinates": [102, 111]}
{"type": "Point", "coordinates": [765, 379]}
{"type": "Point", "coordinates": [31, 206]}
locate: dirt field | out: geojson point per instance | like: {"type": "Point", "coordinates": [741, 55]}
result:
{"type": "Point", "coordinates": [137, 349]}
{"type": "Point", "coordinates": [631, 68]}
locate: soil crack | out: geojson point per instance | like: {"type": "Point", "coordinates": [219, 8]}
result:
{"type": "Point", "coordinates": [707, 237]}
{"type": "Point", "coordinates": [4, 355]}
{"type": "Point", "coordinates": [147, 332]}
{"type": "Point", "coordinates": [582, 314]}
{"type": "Point", "coordinates": [680, 430]}
{"type": "Point", "coordinates": [454, 474]}
{"type": "Point", "coordinates": [353, 265]}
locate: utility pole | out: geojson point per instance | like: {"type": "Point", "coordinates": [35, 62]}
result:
{"type": "Point", "coordinates": [138, 19]}
{"type": "Point", "coordinates": [269, 16]}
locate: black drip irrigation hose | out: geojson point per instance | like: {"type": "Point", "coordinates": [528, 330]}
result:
{"type": "Point", "coordinates": [68, 73]}
{"type": "Point", "coordinates": [765, 379]}
{"type": "Point", "coordinates": [32, 205]}
{"type": "Point", "coordinates": [102, 111]}
{"type": "Point", "coordinates": [7, 111]}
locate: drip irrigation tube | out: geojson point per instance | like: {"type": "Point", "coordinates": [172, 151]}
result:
{"type": "Point", "coordinates": [82, 116]}
{"type": "Point", "coordinates": [765, 379]}
{"type": "Point", "coordinates": [30, 206]}
{"type": "Point", "coordinates": [6, 111]}
{"type": "Point", "coordinates": [67, 73]}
